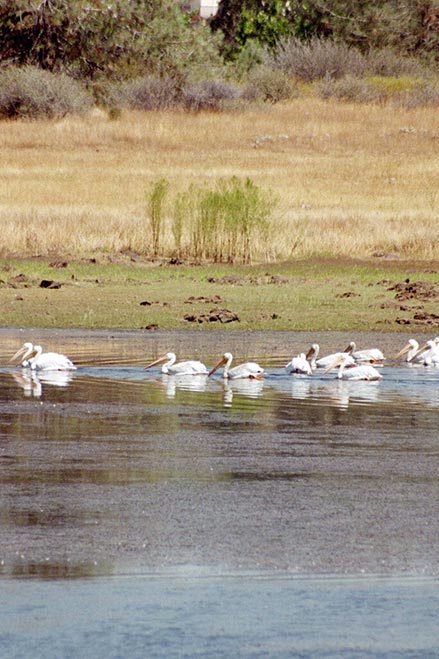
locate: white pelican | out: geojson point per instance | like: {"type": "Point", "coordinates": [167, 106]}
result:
{"type": "Point", "coordinates": [349, 371]}
{"type": "Point", "coordinates": [324, 362]}
{"type": "Point", "coordinates": [299, 364]}
{"type": "Point", "coordinates": [33, 357]}
{"type": "Point", "coordinates": [429, 353]}
{"type": "Point", "coordinates": [371, 355]}
{"type": "Point", "coordinates": [189, 367]}
{"type": "Point", "coordinates": [410, 351]}
{"type": "Point", "coordinates": [249, 370]}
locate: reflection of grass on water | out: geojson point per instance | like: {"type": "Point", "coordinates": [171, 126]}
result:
{"type": "Point", "coordinates": [310, 295]}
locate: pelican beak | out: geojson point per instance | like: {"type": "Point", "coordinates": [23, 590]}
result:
{"type": "Point", "coordinates": [310, 353]}
{"type": "Point", "coordinates": [221, 362]}
{"type": "Point", "coordinates": [157, 361]}
{"type": "Point", "coordinates": [402, 352]}
{"type": "Point", "coordinates": [18, 354]}
{"type": "Point", "coordinates": [334, 364]}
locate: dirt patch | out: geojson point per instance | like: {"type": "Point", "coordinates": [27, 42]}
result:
{"type": "Point", "coordinates": [214, 299]}
{"type": "Point", "coordinates": [255, 280]}
{"type": "Point", "coordinates": [421, 319]}
{"type": "Point", "coordinates": [348, 294]}
{"type": "Point", "coordinates": [50, 283]}
{"type": "Point", "coordinates": [19, 281]}
{"type": "Point", "coordinates": [148, 303]}
{"type": "Point", "coordinates": [418, 290]}
{"type": "Point", "coordinates": [216, 315]}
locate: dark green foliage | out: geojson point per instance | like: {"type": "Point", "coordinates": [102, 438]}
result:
{"type": "Point", "coordinates": [409, 27]}
{"type": "Point", "coordinates": [118, 39]}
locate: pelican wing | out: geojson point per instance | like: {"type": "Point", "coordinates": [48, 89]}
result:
{"type": "Point", "coordinates": [190, 367]}
{"type": "Point", "coordinates": [249, 370]}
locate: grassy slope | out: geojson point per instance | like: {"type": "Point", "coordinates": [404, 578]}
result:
{"type": "Point", "coordinates": [312, 294]}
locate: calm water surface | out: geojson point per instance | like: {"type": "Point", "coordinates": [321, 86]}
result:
{"type": "Point", "coordinates": [289, 517]}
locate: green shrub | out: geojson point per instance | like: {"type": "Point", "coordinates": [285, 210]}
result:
{"type": "Point", "coordinates": [224, 223]}
{"type": "Point", "coordinates": [229, 219]}
{"type": "Point", "coordinates": [32, 92]}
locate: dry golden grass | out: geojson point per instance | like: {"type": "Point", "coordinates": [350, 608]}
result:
{"type": "Point", "coordinates": [351, 180]}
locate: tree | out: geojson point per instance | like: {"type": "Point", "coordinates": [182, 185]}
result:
{"type": "Point", "coordinates": [406, 26]}
{"type": "Point", "coordinates": [117, 38]}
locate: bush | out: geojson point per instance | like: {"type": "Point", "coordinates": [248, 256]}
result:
{"type": "Point", "coordinates": [317, 59]}
{"type": "Point", "coordinates": [269, 84]}
{"type": "Point", "coordinates": [349, 88]}
{"type": "Point", "coordinates": [148, 93]}
{"type": "Point", "coordinates": [402, 92]}
{"type": "Point", "coordinates": [388, 63]}
{"type": "Point", "coordinates": [420, 95]}
{"type": "Point", "coordinates": [210, 95]}
{"type": "Point", "coordinates": [32, 92]}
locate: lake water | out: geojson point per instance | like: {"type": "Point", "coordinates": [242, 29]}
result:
{"type": "Point", "coordinates": [147, 516]}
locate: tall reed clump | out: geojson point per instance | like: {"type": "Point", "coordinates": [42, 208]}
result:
{"type": "Point", "coordinates": [222, 224]}
{"type": "Point", "coordinates": [156, 198]}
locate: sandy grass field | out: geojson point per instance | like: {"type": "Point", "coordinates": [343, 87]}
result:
{"type": "Point", "coordinates": [356, 202]}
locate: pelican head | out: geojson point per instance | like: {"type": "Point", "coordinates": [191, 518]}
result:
{"type": "Point", "coordinates": [312, 354]}
{"type": "Point", "coordinates": [26, 350]}
{"type": "Point", "coordinates": [225, 359]}
{"type": "Point", "coordinates": [169, 357]}
{"type": "Point", "coordinates": [411, 344]}
{"type": "Point", "coordinates": [350, 348]}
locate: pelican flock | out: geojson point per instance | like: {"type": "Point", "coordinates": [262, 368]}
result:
{"type": "Point", "coordinates": [351, 364]}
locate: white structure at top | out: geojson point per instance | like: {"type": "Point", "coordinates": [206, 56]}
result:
{"type": "Point", "coordinates": [206, 8]}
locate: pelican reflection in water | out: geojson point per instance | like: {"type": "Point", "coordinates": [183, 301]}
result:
{"type": "Point", "coordinates": [32, 382]}
{"type": "Point", "coordinates": [248, 387]}
{"type": "Point", "coordinates": [185, 382]}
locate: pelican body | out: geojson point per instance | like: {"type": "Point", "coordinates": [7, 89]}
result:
{"type": "Point", "coordinates": [349, 371]}
{"type": "Point", "coordinates": [371, 355]}
{"type": "Point", "coordinates": [32, 356]}
{"type": "Point", "coordinates": [428, 354]}
{"type": "Point", "coordinates": [249, 370]}
{"type": "Point", "coordinates": [169, 367]}
{"type": "Point", "coordinates": [324, 362]}
{"type": "Point", "coordinates": [299, 365]}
